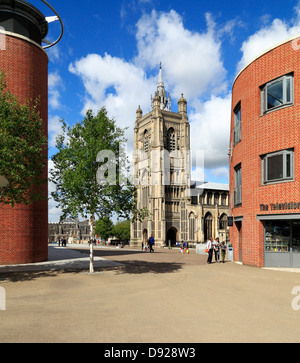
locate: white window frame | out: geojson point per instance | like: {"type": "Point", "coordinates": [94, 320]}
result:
{"type": "Point", "coordinates": [264, 93]}
{"type": "Point", "coordinates": [284, 178]}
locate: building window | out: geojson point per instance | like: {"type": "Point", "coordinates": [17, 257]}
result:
{"type": "Point", "coordinates": [278, 166]}
{"type": "Point", "coordinates": [217, 198]}
{"type": "Point", "coordinates": [277, 93]}
{"type": "Point", "coordinates": [146, 141]}
{"type": "Point", "coordinates": [224, 199]}
{"type": "Point", "coordinates": [171, 141]}
{"type": "Point", "coordinates": [192, 227]}
{"type": "Point", "coordinates": [223, 222]}
{"type": "Point", "coordinates": [237, 135]}
{"type": "Point", "coordinates": [209, 198]}
{"type": "Point", "coordinates": [238, 186]}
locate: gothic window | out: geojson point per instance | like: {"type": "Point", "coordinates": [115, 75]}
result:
{"type": "Point", "coordinates": [224, 199]}
{"type": "Point", "coordinates": [208, 220]}
{"type": "Point", "coordinates": [192, 227]}
{"type": "Point", "coordinates": [171, 140]}
{"type": "Point", "coordinates": [146, 141]}
{"type": "Point", "coordinates": [223, 222]}
{"type": "Point", "coordinates": [217, 197]}
{"type": "Point", "coordinates": [209, 198]}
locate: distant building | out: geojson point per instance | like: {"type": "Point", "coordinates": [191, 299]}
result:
{"type": "Point", "coordinates": [70, 229]}
{"type": "Point", "coordinates": [179, 210]}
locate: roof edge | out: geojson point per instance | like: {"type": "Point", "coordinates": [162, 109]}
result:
{"type": "Point", "coordinates": [265, 52]}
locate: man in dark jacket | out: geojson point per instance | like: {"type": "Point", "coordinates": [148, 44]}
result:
{"type": "Point", "coordinates": [151, 243]}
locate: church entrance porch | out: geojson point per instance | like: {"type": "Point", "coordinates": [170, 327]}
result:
{"type": "Point", "coordinates": [208, 226]}
{"type": "Point", "coordinates": [172, 237]}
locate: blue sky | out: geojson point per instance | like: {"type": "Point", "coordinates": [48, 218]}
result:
{"type": "Point", "coordinates": [111, 50]}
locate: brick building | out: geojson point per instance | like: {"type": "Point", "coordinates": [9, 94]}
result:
{"type": "Point", "coordinates": [24, 229]}
{"type": "Point", "coordinates": [265, 159]}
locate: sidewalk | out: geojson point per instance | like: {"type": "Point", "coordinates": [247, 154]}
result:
{"type": "Point", "coordinates": [162, 297]}
{"type": "Point", "coordinates": [61, 258]}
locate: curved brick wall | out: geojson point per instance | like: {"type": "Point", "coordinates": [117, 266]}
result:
{"type": "Point", "coordinates": [276, 130]}
{"type": "Point", "coordinates": [24, 229]}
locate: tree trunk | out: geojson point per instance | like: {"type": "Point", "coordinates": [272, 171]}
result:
{"type": "Point", "coordinates": [92, 223]}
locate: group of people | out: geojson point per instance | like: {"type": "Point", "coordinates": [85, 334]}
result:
{"type": "Point", "coordinates": [217, 248]}
{"type": "Point", "coordinates": [62, 242]}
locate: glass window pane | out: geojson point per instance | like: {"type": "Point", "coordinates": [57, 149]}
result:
{"type": "Point", "coordinates": [288, 90]}
{"type": "Point", "coordinates": [275, 167]}
{"type": "Point", "coordinates": [288, 166]}
{"type": "Point", "coordinates": [277, 236]}
{"type": "Point", "coordinates": [238, 116]}
{"type": "Point", "coordinates": [296, 237]}
{"type": "Point", "coordinates": [275, 94]}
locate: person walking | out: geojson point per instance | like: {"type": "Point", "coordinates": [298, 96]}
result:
{"type": "Point", "coordinates": [223, 251]}
{"type": "Point", "coordinates": [151, 243]}
{"type": "Point", "coordinates": [210, 248]}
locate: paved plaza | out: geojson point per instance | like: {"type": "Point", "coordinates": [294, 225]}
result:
{"type": "Point", "coordinates": [138, 297]}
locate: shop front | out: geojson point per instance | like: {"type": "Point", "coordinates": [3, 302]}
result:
{"type": "Point", "coordinates": [281, 240]}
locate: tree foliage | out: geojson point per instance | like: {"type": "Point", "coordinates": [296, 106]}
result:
{"type": "Point", "coordinates": [122, 230]}
{"type": "Point", "coordinates": [76, 167]}
{"type": "Point", "coordinates": [104, 228]}
{"type": "Point", "coordinates": [23, 149]}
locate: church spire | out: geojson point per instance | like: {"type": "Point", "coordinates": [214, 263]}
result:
{"type": "Point", "coordinates": [165, 102]}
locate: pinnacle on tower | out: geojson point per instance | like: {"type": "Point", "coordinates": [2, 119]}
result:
{"type": "Point", "coordinates": [165, 102]}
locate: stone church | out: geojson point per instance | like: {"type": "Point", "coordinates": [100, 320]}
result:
{"type": "Point", "coordinates": [179, 209]}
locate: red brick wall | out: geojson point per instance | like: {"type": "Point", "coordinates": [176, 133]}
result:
{"type": "Point", "coordinates": [24, 229]}
{"type": "Point", "coordinates": [274, 131]}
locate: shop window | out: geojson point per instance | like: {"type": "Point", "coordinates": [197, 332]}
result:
{"type": "Point", "coordinates": [277, 236]}
{"type": "Point", "coordinates": [237, 134]}
{"type": "Point", "coordinates": [278, 166]}
{"type": "Point", "coordinates": [277, 93]}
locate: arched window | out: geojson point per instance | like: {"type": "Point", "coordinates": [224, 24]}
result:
{"type": "Point", "coordinates": [223, 221]}
{"type": "Point", "coordinates": [208, 219]}
{"type": "Point", "coordinates": [192, 226]}
{"type": "Point", "coordinates": [171, 140]}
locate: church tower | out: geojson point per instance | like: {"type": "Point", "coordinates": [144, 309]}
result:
{"type": "Point", "coordinates": [161, 170]}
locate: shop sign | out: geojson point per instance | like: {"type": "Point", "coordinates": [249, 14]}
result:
{"type": "Point", "coordinates": [279, 206]}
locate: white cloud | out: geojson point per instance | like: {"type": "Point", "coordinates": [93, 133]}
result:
{"type": "Point", "coordinates": [268, 36]}
{"type": "Point", "coordinates": [192, 64]}
{"type": "Point", "coordinates": [54, 83]}
{"type": "Point", "coordinates": [192, 61]}
{"type": "Point", "coordinates": [54, 128]}
{"type": "Point", "coordinates": [118, 85]}
{"type": "Point", "coordinates": [210, 128]}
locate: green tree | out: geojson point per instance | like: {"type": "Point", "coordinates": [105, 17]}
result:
{"type": "Point", "coordinates": [104, 227]}
{"type": "Point", "coordinates": [87, 171]}
{"type": "Point", "coordinates": [122, 230]}
{"type": "Point", "coordinates": [23, 149]}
